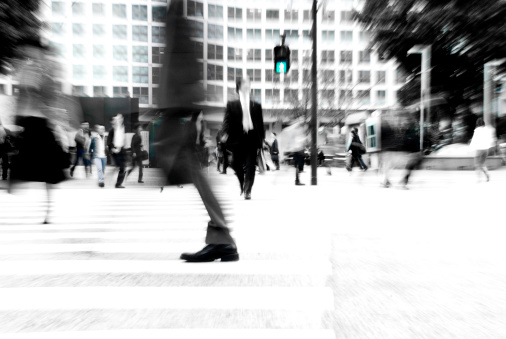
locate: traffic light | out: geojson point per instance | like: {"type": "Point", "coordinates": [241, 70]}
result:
{"type": "Point", "coordinates": [281, 59]}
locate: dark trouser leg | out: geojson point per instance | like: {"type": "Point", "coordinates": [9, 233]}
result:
{"type": "Point", "coordinates": [141, 173]}
{"type": "Point", "coordinates": [217, 230]}
{"type": "Point", "coordinates": [79, 155]}
{"type": "Point", "coordinates": [250, 169]}
{"type": "Point", "coordinates": [238, 166]}
{"type": "Point", "coordinates": [412, 164]}
{"type": "Point", "coordinates": [298, 157]}
{"type": "Point", "coordinates": [225, 161]}
{"type": "Point", "coordinates": [361, 162]}
{"type": "Point", "coordinates": [119, 159]}
{"type": "Point", "coordinates": [5, 165]}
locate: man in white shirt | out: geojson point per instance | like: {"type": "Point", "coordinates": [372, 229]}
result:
{"type": "Point", "coordinates": [116, 144]}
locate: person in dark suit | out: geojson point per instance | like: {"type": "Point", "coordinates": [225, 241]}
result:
{"type": "Point", "coordinates": [137, 148]}
{"type": "Point", "coordinates": [353, 146]}
{"type": "Point", "coordinates": [244, 133]}
{"type": "Point", "coordinates": [116, 146]}
{"type": "Point", "coordinates": [175, 140]}
{"type": "Point", "coordinates": [275, 151]}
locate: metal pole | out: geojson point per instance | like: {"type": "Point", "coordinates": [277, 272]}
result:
{"type": "Point", "coordinates": [487, 94]}
{"type": "Point", "coordinates": [314, 179]}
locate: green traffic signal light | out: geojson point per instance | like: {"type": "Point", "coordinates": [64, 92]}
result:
{"type": "Point", "coordinates": [281, 67]}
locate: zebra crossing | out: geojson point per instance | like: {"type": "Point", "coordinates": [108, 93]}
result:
{"type": "Point", "coordinates": [107, 266]}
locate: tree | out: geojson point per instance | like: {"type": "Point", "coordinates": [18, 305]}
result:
{"type": "Point", "coordinates": [19, 23]}
{"type": "Point", "coordinates": [464, 35]}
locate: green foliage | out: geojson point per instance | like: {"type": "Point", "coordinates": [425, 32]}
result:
{"type": "Point", "coordinates": [464, 35]}
{"type": "Point", "coordinates": [18, 22]}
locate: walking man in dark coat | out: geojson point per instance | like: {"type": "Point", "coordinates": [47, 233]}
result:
{"type": "Point", "coordinates": [244, 133]}
{"type": "Point", "coordinates": [275, 151]}
{"type": "Point", "coordinates": [175, 145]}
{"type": "Point", "coordinates": [137, 148]}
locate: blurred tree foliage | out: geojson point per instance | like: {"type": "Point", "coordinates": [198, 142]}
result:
{"type": "Point", "coordinates": [18, 22]}
{"type": "Point", "coordinates": [464, 35]}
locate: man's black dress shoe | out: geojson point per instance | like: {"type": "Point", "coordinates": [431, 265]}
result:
{"type": "Point", "coordinates": [298, 183]}
{"type": "Point", "coordinates": [247, 196]}
{"type": "Point", "coordinates": [213, 252]}
{"type": "Point", "coordinates": [119, 186]}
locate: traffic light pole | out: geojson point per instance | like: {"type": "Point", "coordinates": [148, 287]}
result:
{"type": "Point", "coordinates": [314, 89]}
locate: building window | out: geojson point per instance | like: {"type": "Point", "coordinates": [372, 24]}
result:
{"type": "Point", "coordinates": [59, 49]}
{"type": "Point", "coordinates": [142, 93]}
{"type": "Point", "coordinates": [231, 94]}
{"type": "Point", "coordinates": [78, 72]}
{"type": "Point", "coordinates": [157, 54]}
{"type": "Point", "coordinates": [345, 96]}
{"type": "Point", "coordinates": [306, 35]}
{"type": "Point", "coordinates": [198, 47]}
{"type": "Point", "coordinates": [120, 52]}
{"type": "Point", "coordinates": [140, 12]}
{"type": "Point", "coordinates": [58, 8]}
{"type": "Point", "coordinates": [234, 34]}
{"type": "Point", "coordinates": [254, 74]}
{"type": "Point", "coordinates": [78, 91]}
{"type": "Point", "coordinates": [328, 76]}
{"type": "Point", "coordinates": [98, 31]}
{"type": "Point", "coordinates": [268, 55]}
{"type": "Point", "coordinates": [120, 73]}
{"type": "Point", "coordinates": [364, 97]}
{"type": "Point", "coordinates": [272, 96]}
{"type": "Point", "coordinates": [78, 8]}
{"type": "Point", "coordinates": [270, 76]}
{"type": "Point", "coordinates": [234, 14]}
{"type": "Point", "coordinates": [195, 9]}
{"type": "Point", "coordinates": [214, 72]}
{"type": "Point", "coordinates": [119, 11]}
{"type": "Point", "coordinates": [257, 94]}
{"type": "Point", "coordinates": [292, 16]}
{"type": "Point", "coordinates": [294, 56]}
{"type": "Point", "coordinates": [78, 51]}
{"type": "Point", "coordinates": [364, 37]}
{"type": "Point", "coordinates": [306, 75]}
{"type": "Point", "coordinates": [400, 76]}
{"type": "Point", "coordinates": [154, 97]}
{"type": "Point", "coordinates": [140, 33]}
{"type": "Point", "coordinates": [306, 56]}
{"type": "Point", "coordinates": [200, 68]}
{"type": "Point", "coordinates": [272, 35]}
{"type": "Point", "coordinates": [346, 17]}
{"type": "Point", "coordinates": [198, 30]}
{"type": "Point", "coordinates": [214, 32]}
{"type": "Point", "coordinates": [158, 34]}
{"type": "Point", "coordinates": [98, 51]}
{"type": "Point", "coordinates": [346, 57]}
{"type": "Point", "coordinates": [98, 9]}
{"type": "Point", "coordinates": [140, 54]}
{"type": "Point", "coordinates": [345, 76]}
{"type": "Point", "coordinates": [380, 77]}
{"type": "Point", "coordinates": [120, 92]}
{"type": "Point", "coordinates": [156, 73]}
{"type": "Point", "coordinates": [364, 77]}
{"type": "Point", "coordinates": [158, 13]}
{"type": "Point", "coordinates": [58, 28]}
{"type": "Point", "coordinates": [347, 36]}
{"type": "Point", "coordinates": [371, 136]}
{"type": "Point", "coordinates": [293, 76]}
{"type": "Point", "coordinates": [215, 11]}
{"type": "Point", "coordinates": [364, 56]}
{"type": "Point", "coordinates": [291, 95]}
{"type": "Point", "coordinates": [254, 15]}
{"type": "Point", "coordinates": [272, 15]}
{"type": "Point", "coordinates": [234, 54]}
{"type": "Point", "coordinates": [328, 57]}
{"type": "Point", "coordinates": [214, 93]}
{"type": "Point", "coordinates": [381, 97]}
{"type": "Point", "coordinates": [307, 16]}
{"type": "Point", "coordinates": [254, 35]}
{"type": "Point", "coordinates": [214, 52]}
{"type": "Point", "coordinates": [119, 32]}
{"type": "Point", "coordinates": [328, 97]}
{"type": "Point", "coordinates": [328, 17]}
{"type": "Point", "coordinates": [328, 36]}
{"type": "Point", "coordinates": [254, 55]}
{"type": "Point", "coordinates": [140, 74]}
{"type": "Point", "coordinates": [78, 30]}
{"type": "Point", "coordinates": [233, 74]}
{"type": "Point", "coordinates": [292, 36]}
{"type": "Point", "coordinates": [99, 72]}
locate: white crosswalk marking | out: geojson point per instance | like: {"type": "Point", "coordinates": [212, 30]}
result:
{"type": "Point", "coordinates": [108, 267]}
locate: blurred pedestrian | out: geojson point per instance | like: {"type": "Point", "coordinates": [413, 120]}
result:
{"type": "Point", "coordinates": [295, 141]}
{"type": "Point", "coordinates": [483, 139]}
{"type": "Point", "coordinates": [116, 146]}
{"type": "Point", "coordinates": [82, 139]}
{"type": "Point", "coordinates": [98, 154]}
{"type": "Point", "coordinates": [275, 151]}
{"type": "Point", "coordinates": [4, 151]}
{"type": "Point", "coordinates": [180, 89]}
{"type": "Point", "coordinates": [137, 149]}
{"type": "Point", "coordinates": [220, 155]}
{"type": "Point", "coordinates": [356, 148]}
{"type": "Point", "coordinates": [244, 133]}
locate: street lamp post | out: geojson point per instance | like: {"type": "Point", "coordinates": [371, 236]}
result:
{"type": "Point", "coordinates": [488, 90]}
{"type": "Point", "coordinates": [425, 51]}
